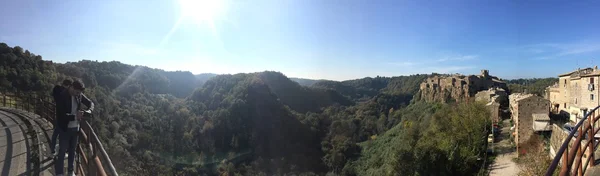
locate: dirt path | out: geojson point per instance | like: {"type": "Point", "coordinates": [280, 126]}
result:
{"type": "Point", "coordinates": [504, 165]}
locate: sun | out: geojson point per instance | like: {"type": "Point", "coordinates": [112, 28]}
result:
{"type": "Point", "coordinates": [203, 11]}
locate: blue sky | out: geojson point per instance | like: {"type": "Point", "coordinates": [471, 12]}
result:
{"type": "Point", "coordinates": [331, 39]}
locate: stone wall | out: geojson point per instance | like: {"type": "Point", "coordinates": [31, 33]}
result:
{"type": "Point", "coordinates": [494, 111]}
{"type": "Point", "coordinates": [523, 106]}
{"type": "Point", "coordinates": [442, 88]}
{"type": "Point", "coordinates": [557, 139]}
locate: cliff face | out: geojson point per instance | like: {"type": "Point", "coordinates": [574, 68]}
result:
{"type": "Point", "coordinates": [457, 87]}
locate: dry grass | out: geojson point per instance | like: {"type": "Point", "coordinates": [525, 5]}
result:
{"type": "Point", "coordinates": [534, 159]}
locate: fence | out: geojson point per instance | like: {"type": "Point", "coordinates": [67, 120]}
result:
{"type": "Point", "coordinates": [573, 162]}
{"type": "Point", "coordinates": [92, 159]}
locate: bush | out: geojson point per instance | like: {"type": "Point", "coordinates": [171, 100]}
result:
{"type": "Point", "coordinates": [534, 160]}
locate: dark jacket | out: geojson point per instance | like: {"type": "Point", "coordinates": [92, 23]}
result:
{"type": "Point", "coordinates": [63, 108]}
{"type": "Point", "coordinates": [58, 89]}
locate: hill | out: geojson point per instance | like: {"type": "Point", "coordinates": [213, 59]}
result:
{"type": "Point", "coordinates": [243, 113]}
{"type": "Point", "coordinates": [203, 77]}
{"type": "Point", "coordinates": [305, 82]}
{"type": "Point", "coordinates": [155, 122]}
{"type": "Point", "coordinates": [365, 88]}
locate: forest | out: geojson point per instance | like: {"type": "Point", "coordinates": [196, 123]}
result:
{"type": "Point", "coordinates": [534, 85]}
{"type": "Point", "coordinates": [156, 122]}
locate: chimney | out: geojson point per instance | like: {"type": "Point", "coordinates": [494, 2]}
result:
{"type": "Point", "coordinates": [595, 68]}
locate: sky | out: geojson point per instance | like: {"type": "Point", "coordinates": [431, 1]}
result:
{"type": "Point", "coordinates": [331, 39]}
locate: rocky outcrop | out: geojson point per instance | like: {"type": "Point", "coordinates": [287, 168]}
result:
{"type": "Point", "coordinates": [444, 88]}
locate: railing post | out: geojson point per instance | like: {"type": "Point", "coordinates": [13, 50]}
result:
{"type": "Point", "coordinates": [21, 101]}
{"type": "Point", "coordinates": [13, 100]}
{"type": "Point", "coordinates": [592, 138]}
{"type": "Point", "coordinates": [92, 156]}
{"type": "Point", "coordinates": [580, 150]}
{"type": "Point", "coordinates": [564, 170]}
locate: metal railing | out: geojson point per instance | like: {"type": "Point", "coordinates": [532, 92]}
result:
{"type": "Point", "coordinates": [92, 158]}
{"type": "Point", "coordinates": [573, 162]}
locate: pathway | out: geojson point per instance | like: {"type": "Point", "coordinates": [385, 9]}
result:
{"type": "Point", "coordinates": [503, 164]}
{"type": "Point", "coordinates": [16, 145]}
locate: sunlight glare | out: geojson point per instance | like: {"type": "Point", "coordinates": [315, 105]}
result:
{"type": "Point", "coordinates": [203, 10]}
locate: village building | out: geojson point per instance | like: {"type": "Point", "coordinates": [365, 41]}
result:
{"type": "Point", "coordinates": [575, 93]}
{"type": "Point", "coordinates": [526, 110]}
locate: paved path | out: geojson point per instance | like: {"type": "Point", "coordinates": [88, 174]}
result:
{"type": "Point", "coordinates": [13, 146]}
{"type": "Point", "coordinates": [16, 145]}
{"type": "Point", "coordinates": [504, 165]}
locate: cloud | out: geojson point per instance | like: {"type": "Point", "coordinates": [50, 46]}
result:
{"type": "Point", "coordinates": [429, 63]}
{"type": "Point", "coordinates": [458, 58]}
{"type": "Point", "coordinates": [536, 50]}
{"type": "Point", "coordinates": [573, 50]}
{"type": "Point", "coordinates": [449, 69]}
{"type": "Point", "coordinates": [556, 50]}
{"type": "Point", "coordinates": [406, 63]}
{"type": "Point", "coordinates": [542, 58]}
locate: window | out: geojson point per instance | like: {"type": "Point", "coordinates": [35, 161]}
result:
{"type": "Point", "coordinates": [591, 96]}
{"type": "Point", "coordinates": [565, 84]}
{"type": "Point", "coordinates": [575, 100]}
{"type": "Point", "coordinates": [565, 105]}
{"type": "Point", "coordinates": [592, 80]}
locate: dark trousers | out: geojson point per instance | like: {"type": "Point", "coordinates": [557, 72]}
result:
{"type": "Point", "coordinates": [68, 140]}
{"type": "Point", "coordinates": [54, 136]}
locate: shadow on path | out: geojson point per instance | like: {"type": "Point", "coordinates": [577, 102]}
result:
{"type": "Point", "coordinates": [9, 150]}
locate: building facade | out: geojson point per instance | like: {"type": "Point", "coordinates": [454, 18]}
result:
{"type": "Point", "coordinates": [575, 93]}
{"type": "Point", "coordinates": [523, 107]}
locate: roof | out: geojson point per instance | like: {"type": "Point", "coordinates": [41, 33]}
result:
{"type": "Point", "coordinates": [574, 71]}
{"type": "Point", "coordinates": [519, 96]}
{"type": "Point", "coordinates": [593, 73]}
{"type": "Point", "coordinates": [540, 117]}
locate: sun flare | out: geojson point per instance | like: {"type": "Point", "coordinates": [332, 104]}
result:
{"type": "Point", "coordinates": [203, 11]}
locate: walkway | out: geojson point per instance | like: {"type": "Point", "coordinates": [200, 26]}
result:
{"type": "Point", "coordinates": [18, 143]}
{"type": "Point", "coordinates": [503, 164]}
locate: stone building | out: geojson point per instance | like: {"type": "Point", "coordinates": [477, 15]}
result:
{"type": "Point", "coordinates": [522, 108]}
{"type": "Point", "coordinates": [456, 87]}
{"type": "Point", "coordinates": [492, 94]}
{"type": "Point", "coordinates": [496, 99]}
{"type": "Point", "coordinates": [575, 93]}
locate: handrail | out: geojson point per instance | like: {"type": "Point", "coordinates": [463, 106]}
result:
{"type": "Point", "coordinates": [568, 157]}
{"type": "Point", "coordinates": [93, 165]}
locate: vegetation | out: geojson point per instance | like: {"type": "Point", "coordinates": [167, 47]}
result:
{"type": "Point", "coordinates": [305, 82]}
{"type": "Point", "coordinates": [535, 161]}
{"type": "Point", "coordinates": [365, 88]}
{"type": "Point", "coordinates": [435, 141]}
{"type": "Point", "coordinates": [154, 122]}
{"type": "Point", "coordinates": [535, 85]}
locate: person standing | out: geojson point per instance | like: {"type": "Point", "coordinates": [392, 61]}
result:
{"type": "Point", "coordinates": [70, 113]}
{"type": "Point", "coordinates": [56, 91]}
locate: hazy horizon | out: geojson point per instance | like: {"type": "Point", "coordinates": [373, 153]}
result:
{"type": "Point", "coordinates": [334, 40]}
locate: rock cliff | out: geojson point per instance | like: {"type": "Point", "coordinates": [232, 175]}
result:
{"type": "Point", "coordinates": [445, 88]}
